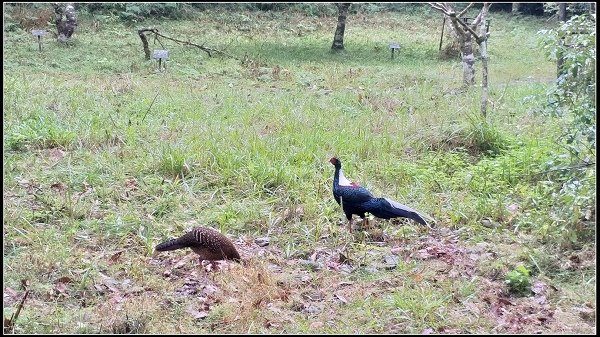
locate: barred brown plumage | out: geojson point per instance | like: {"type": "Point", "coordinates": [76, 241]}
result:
{"type": "Point", "coordinates": [206, 242]}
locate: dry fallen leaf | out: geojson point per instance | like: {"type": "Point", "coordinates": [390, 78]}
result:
{"type": "Point", "coordinates": [58, 187]}
{"type": "Point", "coordinates": [86, 186]}
{"type": "Point", "coordinates": [57, 154]}
{"type": "Point", "coordinates": [341, 298]}
{"type": "Point", "coordinates": [115, 257]}
{"type": "Point", "coordinates": [343, 258]}
{"type": "Point", "coordinates": [209, 290]}
{"type": "Point", "coordinates": [270, 324]}
{"type": "Point", "coordinates": [314, 295]}
{"type": "Point", "coordinates": [418, 277]}
{"type": "Point", "coordinates": [64, 279]}
{"type": "Point", "coordinates": [60, 288]}
{"type": "Point", "coordinates": [344, 283]}
{"type": "Point", "coordinates": [131, 184]}
{"type": "Point", "coordinates": [99, 288]}
{"type": "Point", "coordinates": [316, 325]}
{"type": "Point", "coordinates": [197, 314]}
{"type": "Point", "coordinates": [116, 298]}
{"type": "Point", "coordinates": [109, 282]}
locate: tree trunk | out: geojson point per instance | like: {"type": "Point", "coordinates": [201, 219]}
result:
{"type": "Point", "coordinates": [562, 11]}
{"type": "Point", "coordinates": [468, 59]}
{"type": "Point", "coordinates": [144, 42]}
{"type": "Point", "coordinates": [515, 7]}
{"type": "Point", "coordinates": [466, 32]}
{"type": "Point", "coordinates": [592, 8]}
{"type": "Point", "coordinates": [65, 20]}
{"type": "Point", "coordinates": [562, 17]}
{"type": "Point", "coordinates": [338, 38]}
{"type": "Point", "coordinates": [484, 79]}
{"type": "Point", "coordinates": [484, 60]}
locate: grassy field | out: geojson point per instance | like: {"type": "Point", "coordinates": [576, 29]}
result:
{"type": "Point", "coordinates": [105, 157]}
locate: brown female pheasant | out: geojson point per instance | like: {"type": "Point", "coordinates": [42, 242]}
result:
{"type": "Point", "coordinates": [206, 242]}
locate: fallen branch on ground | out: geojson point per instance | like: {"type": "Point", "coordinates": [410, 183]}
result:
{"type": "Point", "coordinates": [9, 324]}
{"type": "Point", "coordinates": [208, 50]}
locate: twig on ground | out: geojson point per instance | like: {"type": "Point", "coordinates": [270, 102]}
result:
{"type": "Point", "coordinates": [9, 324]}
{"type": "Point", "coordinates": [150, 107]}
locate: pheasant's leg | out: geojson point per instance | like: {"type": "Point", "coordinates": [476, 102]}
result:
{"type": "Point", "coordinates": [366, 223]}
{"type": "Point", "coordinates": [350, 225]}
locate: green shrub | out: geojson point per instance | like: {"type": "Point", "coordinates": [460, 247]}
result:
{"type": "Point", "coordinates": [572, 186]}
{"type": "Point", "coordinates": [136, 12]}
{"type": "Point", "coordinates": [518, 280]}
{"type": "Point", "coordinates": [574, 96]}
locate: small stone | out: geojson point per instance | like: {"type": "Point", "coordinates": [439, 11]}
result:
{"type": "Point", "coordinates": [262, 242]}
{"type": "Point", "coordinates": [310, 264]}
{"type": "Point", "coordinates": [488, 223]}
{"type": "Point", "coordinates": [312, 309]}
{"type": "Point", "coordinates": [391, 261]}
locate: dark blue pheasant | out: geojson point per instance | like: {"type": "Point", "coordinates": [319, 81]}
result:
{"type": "Point", "coordinates": [356, 199]}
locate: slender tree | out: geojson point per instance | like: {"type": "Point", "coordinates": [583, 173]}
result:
{"type": "Point", "coordinates": [562, 11]}
{"type": "Point", "coordinates": [463, 32]}
{"type": "Point", "coordinates": [466, 32]}
{"type": "Point", "coordinates": [482, 42]}
{"type": "Point", "coordinates": [338, 38]}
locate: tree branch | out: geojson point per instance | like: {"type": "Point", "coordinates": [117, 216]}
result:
{"type": "Point", "coordinates": [481, 13]}
{"type": "Point", "coordinates": [464, 10]}
{"type": "Point", "coordinates": [439, 6]}
{"type": "Point", "coordinates": [447, 10]}
{"type": "Point", "coordinates": [208, 50]}
{"type": "Point", "coordinates": [467, 27]}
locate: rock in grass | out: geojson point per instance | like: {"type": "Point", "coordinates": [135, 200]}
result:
{"type": "Point", "coordinates": [310, 264]}
{"type": "Point", "coordinates": [488, 223]}
{"type": "Point", "coordinates": [262, 242]}
{"type": "Point", "coordinates": [391, 261]}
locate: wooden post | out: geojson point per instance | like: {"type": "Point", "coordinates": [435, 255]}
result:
{"type": "Point", "coordinates": [159, 55]}
{"type": "Point", "coordinates": [39, 33]}
{"type": "Point", "coordinates": [393, 47]}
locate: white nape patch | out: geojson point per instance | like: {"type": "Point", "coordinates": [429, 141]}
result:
{"type": "Point", "coordinates": [343, 180]}
{"type": "Point", "coordinates": [399, 205]}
